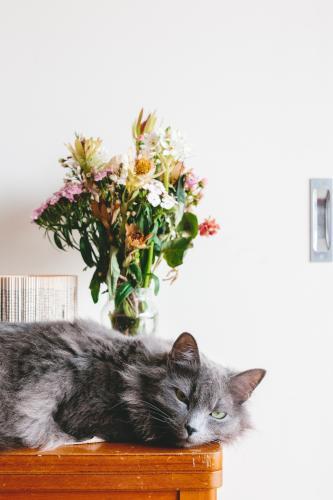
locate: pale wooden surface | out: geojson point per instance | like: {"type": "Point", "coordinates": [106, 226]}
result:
{"type": "Point", "coordinates": [111, 471]}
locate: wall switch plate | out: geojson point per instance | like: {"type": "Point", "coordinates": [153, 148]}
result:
{"type": "Point", "coordinates": [321, 220]}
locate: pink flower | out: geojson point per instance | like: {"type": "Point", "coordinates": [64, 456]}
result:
{"type": "Point", "coordinates": [209, 227]}
{"type": "Point", "coordinates": [68, 191]}
{"type": "Point", "coordinates": [191, 180]}
{"type": "Point", "coordinates": [53, 199]}
{"type": "Point", "coordinates": [38, 211]}
{"type": "Point", "coordinates": [103, 173]}
{"type": "Point", "coordinates": [100, 175]}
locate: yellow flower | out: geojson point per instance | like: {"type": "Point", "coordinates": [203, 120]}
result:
{"type": "Point", "coordinates": [176, 171]}
{"type": "Point", "coordinates": [143, 126]}
{"type": "Point", "coordinates": [142, 166]}
{"type": "Point", "coordinates": [140, 172]}
{"type": "Point", "coordinates": [87, 153]}
{"type": "Point", "coordinates": [134, 238]}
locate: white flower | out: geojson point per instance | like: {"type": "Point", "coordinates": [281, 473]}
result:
{"type": "Point", "coordinates": [153, 199]}
{"type": "Point", "coordinates": [100, 158]}
{"type": "Point", "coordinates": [123, 174]}
{"type": "Point", "coordinates": [167, 201]}
{"type": "Point", "coordinates": [120, 165]}
{"type": "Point", "coordinates": [157, 195]}
{"type": "Point", "coordinates": [174, 145]}
{"type": "Point", "coordinates": [155, 190]}
{"type": "Point", "coordinates": [155, 186]}
{"type": "Point", "coordinates": [150, 146]}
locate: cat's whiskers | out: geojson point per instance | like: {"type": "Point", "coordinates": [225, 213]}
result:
{"type": "Point", "coordinates": [158, 419]}
{"type": "Point", "coordinates": [159, 415]}
{"type": "Point", "coordinates": [156, 408]}
{"type": "Point", "coordinates": [117, 404]}
{"type": "Point", "coordinates": [166, 420]}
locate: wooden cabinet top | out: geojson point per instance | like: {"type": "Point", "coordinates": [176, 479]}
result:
{"type": "Point", "coordinates": [105, 466]}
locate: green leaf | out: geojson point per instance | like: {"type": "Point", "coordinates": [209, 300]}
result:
{"type": "Point", "coordinates": [57, 241]}
{"type": "Point", "coordinates": [180, 189]}
{"type": "Point", "coordinates": [135, 271]}
{"type": "Point", "coordinates": [86, 252]}
{"type": "Point", "coordinates": [155, 228]}
{"type": "Point", "coordinates": [157, 244]}
{"type": "Point", "coordinates": [128, 309]}
{"type": "Point", "coordinates": [174, 251]}
{"type": "Point", "coordinates": [65, 231]}
{"type": "Point", "coordinates": [144, 218]}
{"type": "Point", "coordinates": [143, 259]}
{"type": "Point", "coordinates": [148, 219]}
{"type": "Point", "coordinates": [188, 226]}
{"type": "Point", "coordinates": [113, 272]}
{"type": "Point", "coordinates": [94, 286]}
{"type": "Point", "coordinates": [122, 292]}
{"type": "Point", "coordinates": [176, 244]}
{"type": "Point", "coordinates": [140, 218]}
{"type": "Point", "coordinates": [179, 212]}
{"type": "Point", "coordinates": [156, 283]}
{"type": "Point", "coordinates": [102, 235]}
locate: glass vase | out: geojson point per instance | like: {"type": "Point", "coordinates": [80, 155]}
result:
{"type": "Point", "coordinates": [136, 315]}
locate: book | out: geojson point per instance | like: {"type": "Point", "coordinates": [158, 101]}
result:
{"type": "Point", "coordinates": [38, 298]}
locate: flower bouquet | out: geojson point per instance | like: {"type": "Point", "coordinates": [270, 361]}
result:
{"type": "Point", "coordinates": [127, 214]}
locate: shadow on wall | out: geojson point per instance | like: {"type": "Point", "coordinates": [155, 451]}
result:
{"type": "Point", "coordinates": [25, 249]}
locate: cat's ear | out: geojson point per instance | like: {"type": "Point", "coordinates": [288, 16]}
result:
{"type": "Point", "coordinates": [243, 384]}
{"type": "Point", "coordinates": [185, 351]}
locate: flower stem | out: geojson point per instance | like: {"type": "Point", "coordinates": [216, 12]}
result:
{"type": "Point", "coordinates": [149, 264]}
{"type": "Point", "coordinates": [166, 176]}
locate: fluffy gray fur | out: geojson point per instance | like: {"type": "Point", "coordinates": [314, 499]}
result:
{"type": "Point", "coordinates": [63, 382]}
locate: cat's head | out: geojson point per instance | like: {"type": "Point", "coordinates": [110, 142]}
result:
{"type": "Point", "coordinates": [194, 401]}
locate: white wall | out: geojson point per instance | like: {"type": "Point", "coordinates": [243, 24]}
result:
{"type": "Point", "coordinates": [250, 82]}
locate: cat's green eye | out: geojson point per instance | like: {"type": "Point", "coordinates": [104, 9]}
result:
{"type": "Point", "coordinates": [219, 415]}
{"type": "Point", "coordinates": [181, 396]}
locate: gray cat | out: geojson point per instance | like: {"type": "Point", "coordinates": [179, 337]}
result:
{"type": "Point", "coordinates": [63, 382]}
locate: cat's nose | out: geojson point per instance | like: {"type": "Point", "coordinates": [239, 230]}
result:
{"type": "Point", "coordinates": [190, 429]}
